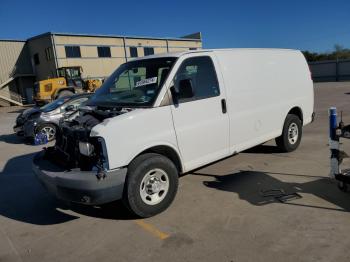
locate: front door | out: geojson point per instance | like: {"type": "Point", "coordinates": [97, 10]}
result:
{"type": "Point", "coordinates": [201, 122]}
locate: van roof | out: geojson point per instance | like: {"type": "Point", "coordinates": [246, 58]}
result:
{"type": "Point", "coordinates": [178, 54]}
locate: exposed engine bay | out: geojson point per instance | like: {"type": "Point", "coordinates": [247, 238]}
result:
{"type": "Point", "coordinates": [74, 148]}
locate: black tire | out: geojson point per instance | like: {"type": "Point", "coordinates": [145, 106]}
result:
{"type": "Point", "coordinates": [137, 171]}
{"type": "Point", "coordinates": [47, 126]}
{"type": "Point", "coordinates": [283, 142]}
{"type": "Point", "coordinates": [64, 93]}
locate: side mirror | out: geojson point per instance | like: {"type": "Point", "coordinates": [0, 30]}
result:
{"type": "Point", "coordinates": [70, 108]}
{"type": "Point", "coordinates": [185, 89]}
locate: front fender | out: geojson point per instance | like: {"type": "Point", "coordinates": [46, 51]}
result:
{"type": "Point", "coordinates": [127, 135]}
{"type": "Point", "coordinates": [158, 144]}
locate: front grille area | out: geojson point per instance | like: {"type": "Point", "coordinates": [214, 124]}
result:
{"type": "Point", "coordinates": [67, 144]}
{"type": "Point", "coordinates": [66, 150]}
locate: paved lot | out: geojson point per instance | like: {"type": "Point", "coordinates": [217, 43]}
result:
{"type": "Point", "coordinates": [218, 215]}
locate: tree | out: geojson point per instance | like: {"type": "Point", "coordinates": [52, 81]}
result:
{"type": "Point", "coordinates": [339, 53]}
{"type": "Point", "coordinates": [338, 48]}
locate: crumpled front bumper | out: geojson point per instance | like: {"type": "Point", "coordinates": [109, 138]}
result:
{"type": "Point", "coordinates": [79, 186]}
{"type": "Point", "coordinates": [29, 128]}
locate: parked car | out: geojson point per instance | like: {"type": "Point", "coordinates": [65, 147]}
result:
{"type": "Point", "coordinates": [163, 115]}
{"type": "Point", "coordinates": [45, 119]}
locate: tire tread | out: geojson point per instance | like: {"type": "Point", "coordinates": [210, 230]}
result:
{"type": "Point", "coordinates": [131, 198]}
{"type": "Point", "coordinates": [282, 141]}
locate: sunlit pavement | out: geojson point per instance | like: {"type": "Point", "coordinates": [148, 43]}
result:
{"type": "Point", "coordinates": [219, 213]}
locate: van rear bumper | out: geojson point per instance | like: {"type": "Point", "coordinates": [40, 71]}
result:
{"type": "Point", "coordinates": [79, 186]}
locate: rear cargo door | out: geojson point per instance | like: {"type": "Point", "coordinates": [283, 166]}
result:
{"type": "Point", "coordinates": [201, 122]}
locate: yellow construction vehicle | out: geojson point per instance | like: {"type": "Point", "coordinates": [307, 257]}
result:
{"type": "Point", "coordinates": [67, 83]}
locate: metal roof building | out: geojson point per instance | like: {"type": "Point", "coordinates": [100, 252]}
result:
{"type": "Point", "coordinates": [39, 57]}
{"type": "Point", "coordinates": [15, 71]}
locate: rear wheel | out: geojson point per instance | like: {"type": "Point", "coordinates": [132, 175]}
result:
{"type": "Point", "coordinates": [151, 184]}
{"type": "Point", "coordinates": [49, 130]}
{"type": "Point", "coordinates": [291, 134]}
{"type": "Point", "coordinates": [65, 93]}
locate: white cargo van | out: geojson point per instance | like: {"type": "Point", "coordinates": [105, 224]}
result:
{"type": "Point", "coordinates": [159, 116]}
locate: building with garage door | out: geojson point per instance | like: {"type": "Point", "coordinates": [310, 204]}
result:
{"type": "Point", "coordinates": [40, 57]}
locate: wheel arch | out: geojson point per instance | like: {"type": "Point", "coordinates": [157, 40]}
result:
{"type": "Point", "coordinates": [298, 112]}
{"type": "Point", "coordinates": [166, 151]}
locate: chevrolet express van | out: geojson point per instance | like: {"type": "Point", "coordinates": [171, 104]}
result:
{"type": "Point", "coordinates": [163, 115]}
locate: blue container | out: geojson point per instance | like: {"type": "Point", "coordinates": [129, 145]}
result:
{"type": "Point", "coordinates": [40, 139]}
{"type": "Point", "coordinates": [332, 122]}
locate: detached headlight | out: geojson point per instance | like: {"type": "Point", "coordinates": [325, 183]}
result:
{"type": "Point", "coordinates": [86, 148]}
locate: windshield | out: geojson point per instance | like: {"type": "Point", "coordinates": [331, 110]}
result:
{"type": "Point", "coordinates": [53, 105]}
{"type": "Point", "coordinates": [73, 72]}
{"type": "Point", "coordinates": [135, 83]}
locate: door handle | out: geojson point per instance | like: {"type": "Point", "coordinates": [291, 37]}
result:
{"type": "Point", "coordinates": [223, 106]}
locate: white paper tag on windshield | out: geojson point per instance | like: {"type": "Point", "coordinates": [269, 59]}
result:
{"type": "Point", "coordinates": [146, 81]}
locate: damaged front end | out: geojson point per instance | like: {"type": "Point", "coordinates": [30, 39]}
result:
{"type": "Point", "coordinates": [76, 167]}
{"type": "Point", "coordinates": [75, 148]}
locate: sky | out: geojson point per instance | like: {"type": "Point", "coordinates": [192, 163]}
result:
{"type": "Point", "coordinates": [306, 25]}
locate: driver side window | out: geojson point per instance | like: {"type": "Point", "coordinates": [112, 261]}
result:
{"type": "Point", "coordinates": [200, 70]}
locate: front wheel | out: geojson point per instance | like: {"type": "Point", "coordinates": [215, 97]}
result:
{"type": "Point", "coordinates": [291, 134]}
{"type": "Point", "coordinates": [49, 130]}
{"type": "Point", "coordinates": [151, 184]}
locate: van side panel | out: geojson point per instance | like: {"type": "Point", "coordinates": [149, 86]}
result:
{"type": "Point", "coordinates": [262, 86]}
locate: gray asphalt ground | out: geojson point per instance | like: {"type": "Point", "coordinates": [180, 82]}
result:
{"type": "Point", "coordinates": [219, 213]}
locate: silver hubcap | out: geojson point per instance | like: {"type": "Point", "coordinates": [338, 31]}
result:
{"type": "Point", "coordinates": [154, 186]}
{"type": "Point", "coordinates": [293, 133]}
{"type": "Point", "coordinates": [49, 132]}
